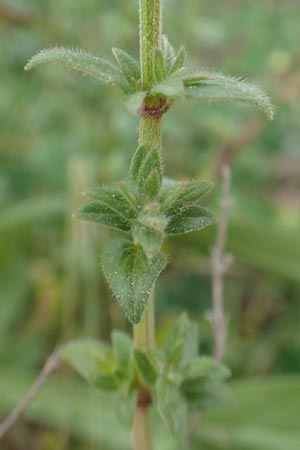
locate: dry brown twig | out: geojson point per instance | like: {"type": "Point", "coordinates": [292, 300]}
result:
{"type": "Point", "coordinates": [220, 263]}
{"type": "Point", "coordinates": [50, 366]}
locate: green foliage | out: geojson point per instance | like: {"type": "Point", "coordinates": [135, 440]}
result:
{"type": "Point", "coordinates": [179, 380]}
{"type": "Point", "coordinates": [171, 405]}
{"type": "Point", "coordinates": [93, 360]}
{"type": "Point", "coordinates": [80, 61]}
{"type": "Point", "coordinates": [109, 208]}
{"type": "Point", "coordinates": [146, 171]}
{"type": "Point", "coordinates": [148, 208]}
{"type": "Point", "coordinates": [131, 275]}
{"type": "Point", "coordinates": [211, 86]}
{"type": "Point", "coordinates": [129, 66]}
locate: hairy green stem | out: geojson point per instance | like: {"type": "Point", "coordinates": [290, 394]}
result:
{"type": "Point", "coordinates": [150, 37]}
{"type": "Point", "coordinates": [150, 133]}
{"type": "Point", "coordinates": [150, 23]}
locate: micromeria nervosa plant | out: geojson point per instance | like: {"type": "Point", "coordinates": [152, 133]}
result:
{"type": "Point", "coordinates": [146, 208]}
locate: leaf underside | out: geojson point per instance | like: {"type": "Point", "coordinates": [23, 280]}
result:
{"type": "Point", "coordinates": [211, 86]}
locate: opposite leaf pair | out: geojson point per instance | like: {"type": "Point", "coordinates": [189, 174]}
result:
{"type": "Point", "coordinates": [176, 377]}
{"type": "Point", "coordinates": [171, 80]}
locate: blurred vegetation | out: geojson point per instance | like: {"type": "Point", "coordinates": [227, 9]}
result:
{"type": "Point", "coordinates": [61, 132]}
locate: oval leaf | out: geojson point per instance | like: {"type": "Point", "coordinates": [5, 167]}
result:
{"type": "Point", "coordinates": [93, 360]}
{"type": "Point", "coordinates": [131, 275]}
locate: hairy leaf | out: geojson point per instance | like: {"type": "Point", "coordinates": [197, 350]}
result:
{"type": "Point", "coordinates": [146, 171]}
{"type": "Point", "coordinates": [127, 189]}
{"type": "Point", "coordinates": [129, 66]}
{"type": "Point", "coordinates": [179, 61]}
{"type": "Point", "coordinates": [171, 405]}
{"type": "Point", "coordinates": [189, 218]}
{"type": "Point", "coordinates": [131, 275]}
{"type": "Point", "coordinates": [93, 360]}
{"type": "Point", "coordinates": [104, 214]}
{"type": "Point", "coordinates": [83, 62]}
{"type": "Point", "coordinates": [148, 238]}
{"type": "Point", "coordinates": [170, 87]}
{"type": "Point", "coordinates": [211, 86]}
{"type": "Point", "coordinates": [115, 198]}
{"type": "Point", "coordinates": [150, 173]}
{"type": "Point", "coordinates": [176, 194]}
{"type": "Point", "coordinates": [149, 229]}
{"type": "Point", "coordinates": [134, 102]}
{"type": "Point", "coordinates": [136, 163]}
{"type": "Point", "coordinates": [169, 53]}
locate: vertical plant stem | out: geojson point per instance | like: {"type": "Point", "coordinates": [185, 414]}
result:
{"type": "Point", "coordinates": [150, 37]}
{"type": "Point", "coordinates": [144, 330]}
{"type": "Point", "coordinates": [220, 264]}
{"type": "Point", "coordinates": [149, 136]}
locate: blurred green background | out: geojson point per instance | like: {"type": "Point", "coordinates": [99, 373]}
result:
{"type": "Point", "coordinates": [61, 133]}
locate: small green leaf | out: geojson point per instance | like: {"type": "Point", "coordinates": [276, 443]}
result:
{"type": "Point", "coordinates": [129, 66]}
{"type": "Point", "coordinates": [159, 66]}
{"type": "Point", "coordinates": [169, 53]}
{"type": "Point", "coordinates": [182, 342]}
{"type": "Point", "coordinates": [179, 61]}
{"type": "Point", "coordinates": [211, 86]}
{"type": "Point", "coordinates": [149, 229]}
{"type": "Point", "coordinates": [171, 405]}
{"type": "Point", "coordinates": [152, 183]}
{"type": "Point", "coordinates": [189, 218]}
{"type": "Point", "coordinates": [103, 214]}
{"type": "Point", "coordinates": [122, 347]}
{"type": "Point", "coordinates": [135, 102]}
{"type": "Point", "coordinates": [176, 195]}
{"type": "Point", "coordinates": [203, 385]}
{"type": "Point", "coordinates": [136, 163]}
{"type": "Point", "coordinates": [171, 87]}
{"type": "Point", "coordinates": [146, 171]}
{"type": "Point", "coordinates": [83, 62]}
{"type": "Point", "coordinates": [131, 275]}
{"type": "Point", "coordinates": [150, 173]}
{"type": "Point", "coordinates": [93, 360]}
{"type": "Point", "coordinates": [145, 366]}
{"type": "Point", "coordinates": [114, 197]}
{"type": "Point", "coordinates": [150, 239]}
{"type": "Point", "coordinates": [205, 367]}
{"type": "Point", "coordinates": [128, 191]}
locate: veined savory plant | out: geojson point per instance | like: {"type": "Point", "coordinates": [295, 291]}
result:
{"type": "Point", "coordinates": [143, 210]}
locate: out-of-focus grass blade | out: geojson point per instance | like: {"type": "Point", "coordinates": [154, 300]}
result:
{"type": "Point", "coordinates": [260, 245]}
{"type": "Point", "coordinates": [264, 416]}
{"type": "Point", "coordinates": [31, 210]}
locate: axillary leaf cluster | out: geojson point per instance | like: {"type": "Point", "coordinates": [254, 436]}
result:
{"type": "Point", "coordinates": [143, 210]}
{"type": "Point", "coordinates": [171, 79]}
{"type": "Point", "coordinates": [145, 206]}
